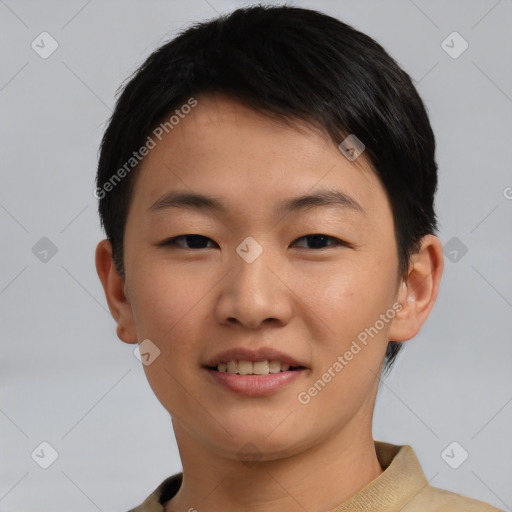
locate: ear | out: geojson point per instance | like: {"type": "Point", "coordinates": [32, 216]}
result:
{"type": "Point", "coordinates": [418, 292]}
{"type": "Point", "coordinates": [114, 288]}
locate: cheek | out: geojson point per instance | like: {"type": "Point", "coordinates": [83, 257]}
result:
{"type": "Point", "coordinates": [346, 297]}
{"type": "Point", "coordinates": [344, 307]}
{"type": "Point", "coordinates": [167, 305]}
{"type": "Point", "coordinates": [168, 310]}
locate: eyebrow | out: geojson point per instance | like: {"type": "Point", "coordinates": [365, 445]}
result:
{"type": "Point", "coordinates": [321, 198]}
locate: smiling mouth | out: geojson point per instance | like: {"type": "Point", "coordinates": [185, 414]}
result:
{"type": "Point", "coordinates": [264, 367]}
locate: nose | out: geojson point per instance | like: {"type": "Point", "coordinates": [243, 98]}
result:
{"type": "Point", "coordinates": [253, 294]}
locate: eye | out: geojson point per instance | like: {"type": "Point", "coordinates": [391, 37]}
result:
{"type": "Point", "coordinates": [196, 241]}
{"type": "Point", "coordinates": [318, 240]}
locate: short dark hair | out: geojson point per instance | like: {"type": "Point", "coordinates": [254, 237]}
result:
{"type": "Point", "coordinates": [291, 64]}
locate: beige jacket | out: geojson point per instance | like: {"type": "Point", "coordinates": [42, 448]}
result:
{"type": "Point", "coordinates": [401, 487]}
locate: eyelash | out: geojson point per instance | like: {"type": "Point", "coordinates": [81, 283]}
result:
{"type": "Point", "coordinates": [171, 242]}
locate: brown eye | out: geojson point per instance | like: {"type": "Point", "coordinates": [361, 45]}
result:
{"type": "Point", "coordinates": [318, 241]}
{"type": "Point", "coordinates": [194, 241]}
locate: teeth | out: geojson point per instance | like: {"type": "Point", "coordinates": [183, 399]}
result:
{"type": "Point", "coordinates": [274, 366]}
{"type": "Point", "coordinates": [244, 367]}
{"type": "Point", "coordinates": [249, 368]}
{"type": "Point", "coordinates": [260, 368]}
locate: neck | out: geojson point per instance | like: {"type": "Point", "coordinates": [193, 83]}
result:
{"type": "Point", "coordinates": [317, 479]}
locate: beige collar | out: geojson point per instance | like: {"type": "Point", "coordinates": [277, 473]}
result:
{"type": "Point", "coordinates": [401, 480]}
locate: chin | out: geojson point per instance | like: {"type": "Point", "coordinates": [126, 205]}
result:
{"type": "Point", "coordinates": [258, 441]}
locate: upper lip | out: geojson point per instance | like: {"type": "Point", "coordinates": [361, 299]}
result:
{"type": "Point", "coordinates": [253, 355]}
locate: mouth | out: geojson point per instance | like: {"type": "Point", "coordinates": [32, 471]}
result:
{"type": "Point", "coordinates": [254, 379]}
{"type": "Point", "coordinates": [264, 367]}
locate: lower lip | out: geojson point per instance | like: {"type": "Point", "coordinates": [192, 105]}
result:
{"type": "Point", "coordinates": [255, 385]}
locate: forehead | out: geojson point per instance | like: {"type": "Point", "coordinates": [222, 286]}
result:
{"type": "Point", "coordinates": [225, 149]}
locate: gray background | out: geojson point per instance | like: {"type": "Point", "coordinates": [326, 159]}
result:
{"type": "Point", "coordinates": [65, 377]}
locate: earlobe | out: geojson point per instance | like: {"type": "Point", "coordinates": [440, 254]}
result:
{"type": "Point", "coordinates": [125, 336]}
{"type": "Point", "coordinates": [114, 288]}
{"type": "Point", "coordinates": [418, 292]}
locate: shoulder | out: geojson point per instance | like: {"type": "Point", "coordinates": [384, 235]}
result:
{"type": "Point", "coordinates": [433, 499]}
{"type": "Point", "coordinates": [164, 492]}
{"type": "Point", "coordinates": [408, 490]}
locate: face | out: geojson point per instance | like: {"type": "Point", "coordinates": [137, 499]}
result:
{"type": "Point", "coordinates": [269, 274]}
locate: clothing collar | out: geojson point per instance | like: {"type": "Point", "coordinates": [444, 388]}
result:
{"type": "Point", "coordinates": [401, 480]}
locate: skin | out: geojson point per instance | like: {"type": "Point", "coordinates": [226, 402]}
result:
{"type": "Point", "coordinates": [308, 302]}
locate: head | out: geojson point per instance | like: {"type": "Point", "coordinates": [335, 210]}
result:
{"type": "Point", "coordinates": [250, 110]}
